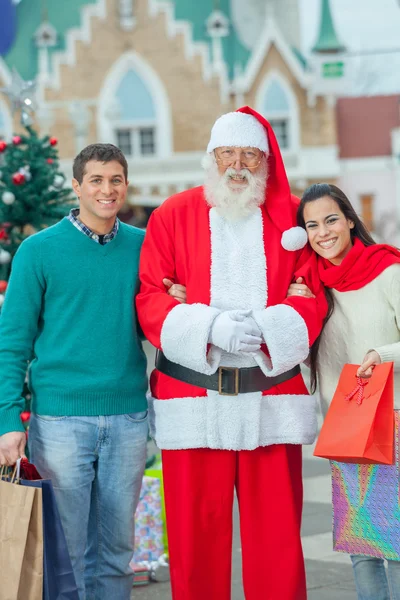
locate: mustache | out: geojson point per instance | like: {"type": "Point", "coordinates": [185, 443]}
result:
{"type": "Point", "coordinates": [232, 172]}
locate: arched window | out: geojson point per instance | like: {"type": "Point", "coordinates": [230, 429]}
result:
{"type": "Point", "coordinates": [2, 126]}
{"type": "Point", "coordinates": [134, 110]}
{"type": "Point", "coordinates": [5, 122]}
{"type": "Point", "coordinates": [277, 103]}
{"type": "Point", "coordinates": [135, 127]}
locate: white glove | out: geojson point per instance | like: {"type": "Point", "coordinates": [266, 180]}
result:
{"type": "Point", "coordinates": [235, 331]}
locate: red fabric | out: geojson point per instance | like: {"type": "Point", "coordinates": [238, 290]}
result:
{"type": "Point", "coordinates": [359, 267]}
{"type": "Point", "coordinates": [199, 486]}
{"type": "Point", "coordinates": [28, 471]}
{"type": "Point", "coordinates": [177, 246]}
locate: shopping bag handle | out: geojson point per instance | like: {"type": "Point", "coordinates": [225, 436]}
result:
{"type": "Point", "coordinates": [15, 475]}
{"type": "Point", "coordinates": [358, 391]}
{"type": "Point", "coordinates": [17, 471]}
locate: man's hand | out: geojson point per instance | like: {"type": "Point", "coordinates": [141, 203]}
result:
{"type": "Point", "coordinates": [12, 447]}
{"type": "Point", "coordinates": [300, 289]}
{"type": "Point", "coordinates": [176, 290]}
{"type": "Point", "coordinates": [366, 368]}
{"type": "Point", "coordinates": [235, 331]}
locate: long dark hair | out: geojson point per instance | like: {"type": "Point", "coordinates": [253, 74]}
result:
{"type": "Point", "coordinates": [312, 193]}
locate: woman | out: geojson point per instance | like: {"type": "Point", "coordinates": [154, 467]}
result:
{"type": "Point", "coordinates": [362, 282]}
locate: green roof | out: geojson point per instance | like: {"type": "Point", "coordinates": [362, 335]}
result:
{"type": "Point", "coordinates": [66, 14]}
{"type": "Point", "coordinates": [61, 14]}
{"type": "Point", "coordinates": [328, 40]}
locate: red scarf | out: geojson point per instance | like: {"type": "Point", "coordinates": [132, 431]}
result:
{"type": "Point", "coordinates": [359, 267]}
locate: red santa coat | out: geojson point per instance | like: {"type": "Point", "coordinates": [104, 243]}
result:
{"type": "Point", "coordinates": [228, 265]}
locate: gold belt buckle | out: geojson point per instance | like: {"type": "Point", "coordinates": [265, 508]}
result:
{"type": "Point", "coordinates": [236, 380]}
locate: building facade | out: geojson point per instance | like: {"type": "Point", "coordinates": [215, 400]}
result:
{"type": "Point", "coordinates": [153, 75]}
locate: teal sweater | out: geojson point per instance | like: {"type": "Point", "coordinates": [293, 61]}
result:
{"type": "Point", "coordinates": [69, 311]}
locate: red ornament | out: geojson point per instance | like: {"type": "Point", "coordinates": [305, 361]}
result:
{"type": "Point", "coordinates": [16, 140]}
{"type": "Point", "coordinates": [3, 234]}
{"type": "Point", "coordinates": [18, 179]}
{"type": "Point", "coordinates": [53, 141]}
{"type": "Point", "coordinates": [50, 161]}
{"type": "Point", "coordinates": [3, 146]}
{"type": "Point", "coordinates": [25, 416]}
{"type": "Point", "coordinates": [3, 285]}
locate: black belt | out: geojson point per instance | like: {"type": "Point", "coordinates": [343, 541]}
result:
{"type": "Point", "coordinates": [227, 381]}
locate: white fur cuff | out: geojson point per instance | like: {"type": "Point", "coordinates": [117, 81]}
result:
{"type": "Point", "coordinates": [286, 336]}
{"type": "Point", "coordinates": [184, 337]}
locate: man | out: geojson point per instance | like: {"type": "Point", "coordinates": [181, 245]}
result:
{"type": "Point", "coordinates": [229, 403]}
{"type": "Point", "coordinates": [68, 310]}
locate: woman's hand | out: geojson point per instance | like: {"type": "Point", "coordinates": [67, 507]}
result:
{"type": "Point", "coordinates": [175, 290]}
{"type": "Point", "coordinates": [366, 368]}
{"type": "Point", "coordinates": [300, 289]}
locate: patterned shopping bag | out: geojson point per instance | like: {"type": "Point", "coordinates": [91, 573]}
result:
{"type": "Point", "coordinates": [155, 470]}
{"type": "Point", "coordinates": [148, 522]}
{"type": "Point", "coordinates": [366, 506]}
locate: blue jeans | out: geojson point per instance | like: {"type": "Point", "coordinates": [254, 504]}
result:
{"type": "Point", "coordinates": [96, 466]}
{"type": "Point", "coordinates": [373, 582]}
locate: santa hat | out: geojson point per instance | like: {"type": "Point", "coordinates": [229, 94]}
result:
{"type": "Point", "coordinates": [247, 128]}
{"type": "Point", "coordinates": [240, 130]}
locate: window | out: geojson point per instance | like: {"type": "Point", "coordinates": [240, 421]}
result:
{"type": "Point", "coordinates": [278, 104]}
{"type": "Point", "coordinates": [135, 126]}
{"type": "Point", "coordinates": [136, 141]}
{"type": "Point", "coordinates": [147, 142]}
{"type": "Point", "coordinates": [367, 210]}
{"type": "Point", "coordinates": [281, 130]}
{"type": "Point", "coordinates": [124, 141]}
{"type": "Point", "coordinates": [2, 126]}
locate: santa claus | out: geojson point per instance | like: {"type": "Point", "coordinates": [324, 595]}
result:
{"type": "Point", "coordinates": [228, 402]}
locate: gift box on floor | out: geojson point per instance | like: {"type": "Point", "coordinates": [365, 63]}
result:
{"type": "Point", "coordinates": [141, 574]}
{"type": "Point", "coordinates": [148, 522]}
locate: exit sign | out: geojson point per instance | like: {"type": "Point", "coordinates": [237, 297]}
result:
{"type": "Point", "coordinates": [333, 69]}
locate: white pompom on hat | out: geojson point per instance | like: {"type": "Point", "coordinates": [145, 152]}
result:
{"type": "Point", "coordinates": [294, 239]}
{"type": "Point", "coordinates": [240, 130]}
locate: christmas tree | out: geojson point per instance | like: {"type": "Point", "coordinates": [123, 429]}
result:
{"type": "Point", "coordinates": [32, 192]}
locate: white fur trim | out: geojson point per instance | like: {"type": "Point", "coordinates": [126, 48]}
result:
{"type": "Point", "coordinates": [242, 422]}
{"type": "Point", "coordinates": [238, 255]}
{"type": "Point", "coordinates": [238, 129]}
{"type": "Point", "coordinates": [294, 238]}
{"type": "Point", "coordinates": [286, 336]}
{"type": "Point", "coordinates": [238, 265]}
{"type": "Point", "coordinates": [184, 337]}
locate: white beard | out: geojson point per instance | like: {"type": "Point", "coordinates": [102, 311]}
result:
{"type": "Point", "coordinates": [234, 204]}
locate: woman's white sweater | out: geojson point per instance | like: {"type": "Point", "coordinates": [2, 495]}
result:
{"type": "Point", "coordinates": [362, 320]}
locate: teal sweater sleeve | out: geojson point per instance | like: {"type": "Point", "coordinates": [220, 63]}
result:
{"type": "Point", "coordinates": [19, 326]}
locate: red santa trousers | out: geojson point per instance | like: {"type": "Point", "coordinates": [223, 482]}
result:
{"type": "Point", "coordinates": [199, 489]}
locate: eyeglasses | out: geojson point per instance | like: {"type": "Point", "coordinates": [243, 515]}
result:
{"type": "Point", "coordinates": [248, 158]}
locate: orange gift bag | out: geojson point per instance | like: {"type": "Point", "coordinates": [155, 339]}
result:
{"type": "Point", "coordinates": [359, 425]}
